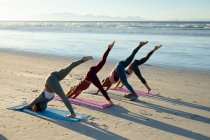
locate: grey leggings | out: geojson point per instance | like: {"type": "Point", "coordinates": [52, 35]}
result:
{"type": "Point", "coordinates": [53, 83]}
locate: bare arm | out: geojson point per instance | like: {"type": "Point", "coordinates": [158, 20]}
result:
{"type": "Point", "coordinates": [108, 87]}
{"type": "Point", "coordinates": [121, 85]}
{"type": "Point", "coordinates": [148, 88]}
{"type": "Point", "coordinates": [103, 81]}
{"type": "Point", "coordinates": [117, 84]}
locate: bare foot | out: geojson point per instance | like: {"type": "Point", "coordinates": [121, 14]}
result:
{"type": "Point", "coordinates": [157, 47]}
{"type": "Point", "coordinates": [71, 115]}
{"type": "Point", "coordinates": [110, 102]}
{"type": "Point", "coordinates": [143, 43]}
{"type": "Point", "coordinates": [86, 58]}
{"type": "Point", "coordinates": [111, 45]}
{"type": "Point", "coordinates": [148, 90]}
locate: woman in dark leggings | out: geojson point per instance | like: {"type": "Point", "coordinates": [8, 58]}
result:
{"type": "Point", "coordinates": [91, 77]}
{"type": "Point", "coordinates": [133, 67]}
{"type": "Point", "coordinates": [53, 86]}
{"type": "Point", "coordinates": [119, 73]}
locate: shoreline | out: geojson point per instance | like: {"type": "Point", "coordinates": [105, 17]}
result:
{"type": "Point", "coordinates": [111, 61]}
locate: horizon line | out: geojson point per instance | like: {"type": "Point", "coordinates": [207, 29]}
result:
{"type": "Point", "coordinates": [104, 20]}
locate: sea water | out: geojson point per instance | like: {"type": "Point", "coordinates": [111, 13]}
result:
{"type": "Point", "coordinates": [185, 44]}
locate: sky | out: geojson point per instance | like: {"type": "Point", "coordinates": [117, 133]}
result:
{"type": "Point", "coordinates": [146, 9]}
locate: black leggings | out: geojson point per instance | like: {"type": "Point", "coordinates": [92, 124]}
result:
{"type": "Point", "coordinates": [136, 63]}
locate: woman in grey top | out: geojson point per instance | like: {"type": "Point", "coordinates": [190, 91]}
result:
{"type": "Point", "coordinates": [52, 86]}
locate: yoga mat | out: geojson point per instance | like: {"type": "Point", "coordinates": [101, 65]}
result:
{"type": "Point", "coordinates": [138, 92]}
{"type": "Point", "coordinates": [86, 102]}
{"type": "Point", "coordinates": [51, 113]}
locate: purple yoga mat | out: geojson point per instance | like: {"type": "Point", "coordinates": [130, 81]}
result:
{"type": "Point", "coordinates": [138, 92]}
{"type": "Point", "coordinates": [86, 102]}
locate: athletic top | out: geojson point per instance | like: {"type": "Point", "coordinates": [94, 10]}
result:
{"type": "Point", "coordinates": [48, 95]}
{"type": "Point", "coordinates": [127, 74]}
{"type": "Point", "coordinates": [112, 77]}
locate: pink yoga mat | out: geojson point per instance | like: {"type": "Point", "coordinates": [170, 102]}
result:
{"type": "Point", "coordinates": [86, 102]}
{"type": "Point", "coordinates": [138, 92]}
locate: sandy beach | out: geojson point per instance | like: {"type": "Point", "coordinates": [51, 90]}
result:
{"type": "Point", "coordinates": [181, 111]}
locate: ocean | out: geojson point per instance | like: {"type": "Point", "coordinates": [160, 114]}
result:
{"type": "Point", "coordinates": [186, 45]}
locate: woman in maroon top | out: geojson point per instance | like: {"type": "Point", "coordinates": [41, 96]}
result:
{"type": "Point", "coordinates": [91, 77]}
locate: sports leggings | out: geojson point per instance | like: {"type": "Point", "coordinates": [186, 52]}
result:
{"type": "Point", "coordinates": [120, 69]}
{"type": "Point", "coordinates": [92, 77]}
{"type": "Point", "coordinates": [53, 82]}
{"type": "Point", "coordinates": [136, 63]}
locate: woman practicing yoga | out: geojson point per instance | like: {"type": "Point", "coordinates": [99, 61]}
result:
{"type": "Point", "coordinates": [91, 77]}
{"type": "Point", "coordinates": [119, 73]}
{"type": "Point", "coordinates": [53, 86]}
{"type": "Point", "coordinates": [133, 67]}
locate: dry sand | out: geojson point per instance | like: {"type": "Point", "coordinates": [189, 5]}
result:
{"type": "Point", "coordinates": [182, 111]}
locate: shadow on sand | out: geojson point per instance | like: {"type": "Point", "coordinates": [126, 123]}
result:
{"type": "Point", "coordinates": [86, 128]}
{"type": "Point", "coordinates": [123, 113]}
{"type": "Point", "coordinates": [167, 99]}
{"type": "Point", "coordinates": [180, 102]}
{"type": "Point", "coordinates": [2, 137]}
{"type": "Point", "coordinates": [171, 111]}
{"type": "Point", "coordinates": [159, 108]}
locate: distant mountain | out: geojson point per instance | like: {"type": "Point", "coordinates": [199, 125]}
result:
{"type": "Point", "coordinates": [88, 17]}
